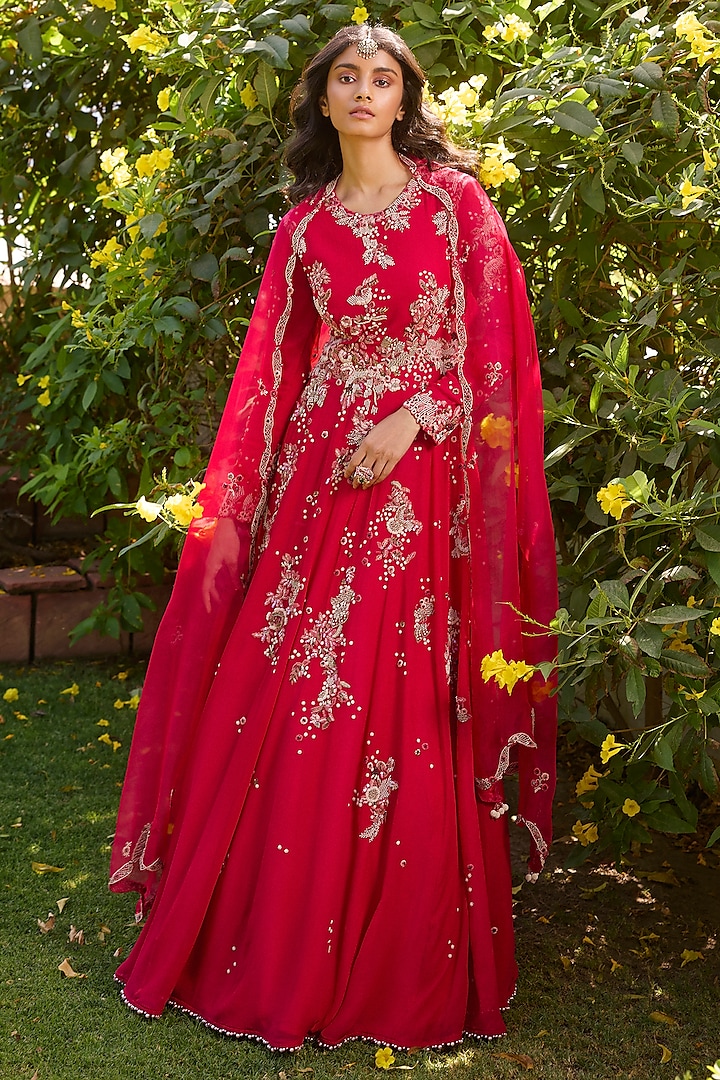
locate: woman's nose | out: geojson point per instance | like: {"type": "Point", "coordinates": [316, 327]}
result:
{"type": "Point", "coordinates": [362, 92]}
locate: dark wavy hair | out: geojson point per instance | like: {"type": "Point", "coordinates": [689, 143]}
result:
{"type": "Point", "coordinates": [313, 152]}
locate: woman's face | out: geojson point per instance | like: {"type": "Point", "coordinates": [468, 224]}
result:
{"type": "Point", "coordinates": [363, 98]}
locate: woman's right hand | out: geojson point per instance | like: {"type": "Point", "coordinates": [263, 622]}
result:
{"type": "Point", "coordinates": [224, 552]}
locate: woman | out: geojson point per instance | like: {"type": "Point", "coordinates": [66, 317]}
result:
{"type": "Point", "coordinates": [313, 812]}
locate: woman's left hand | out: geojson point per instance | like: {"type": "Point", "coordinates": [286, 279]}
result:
{"type": "Point", "coordinates": [382, 448]}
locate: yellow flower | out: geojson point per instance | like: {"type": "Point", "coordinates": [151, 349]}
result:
{"type": "Point", "coordinates": [515, 28]}
{"type": "Point", "coordinates": [613, 500]}
{"type": "Point", "coordinates": [183, 509]}
{"type": "Point", "coordinates": [384, 1058]}
{"type": "Point", "coordinates": [146, 40]}
{"type": "Point", "coordinates": [118, 704]}
{"type": "Point", "coordinates": [467, 94]}
{"type": "Point", "coordinates": [121, 176]}
{"type": "Point", "coordinates": [709, 162]}
{"type": "Point", "coordinates": [496, 166]}
{"type": "Point", "coordinates": [715, 626]}
{"type": "Point", "coordinates": [106, 255]}
{"type": "Point", "coordinates": [147, 253]}
{"type": "Point", "coordinates": [609, 748]}
{"type": "Point", "coordinates": [505, 673]}
{"type": "Point", "coordinates": [106, 5]}
{"type": "Point", "coordinates": [110, 159]}
{"type": "Point", "coordinates": [44, 382]}
{"type": "Point", "coordinates": [689, 192]}
{"type": "Point", "coordinates": [102, 723]}
{"type": "Point", "coordinates": [588, 782]}
{"type": "Point", "coordinates": [248, 96]}
{"type": "Point", "coordinates": [11, 694]}
{"type": "Point", "coordinates": [156, 161]}
{"type": "Point", "coordinates": [491, 32]}
{"type": "Point", "coordinates": [630, 807]}
{"type": "Point", "coordinates": [44, 399]}
{"type": "Point", "coordinates": [477, 81]}
{"type": "Point", "coordinates": [122, 675]}
{"type": "Point", "coordinates": [360, 15]}
{"type": "Point", "coordinates": [688, 26]}
{"type": "Point", "coordinates": [693, 695]}
{"type": "Point", "coordinates": [134, 701]}
{"type": "Point", "coordinates": [105, 738]}
{"type": "Point", "coordinates": [148, 511]}
{"type": "Point", "coordinates": [22, 379]}
{"type": "Point", "coordinates": [73, 690]}
{"type": "Point", "coordinates": [586, 832]}
{"type": "Point", "coordinates": [496, 431]}
{"type": "Point", "coordinates": [163, 99]}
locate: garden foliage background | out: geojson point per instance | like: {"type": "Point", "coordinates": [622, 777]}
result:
{"type": "Point", "coordinates": [140, 183]}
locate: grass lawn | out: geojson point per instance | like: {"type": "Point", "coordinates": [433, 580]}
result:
{"type": "Point", "coordinates": [604, 991]}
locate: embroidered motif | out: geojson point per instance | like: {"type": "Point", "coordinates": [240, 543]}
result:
{"type": "Point", "coordinates": [322, 641]}
{"type": "Point", "coordinates": [399, 519]}
{"type": "Point", "coordinates": [283, 607]}
{"type": "Point", "coordinates": [137, 858]}
{"type": "Point", "coordinates": [423, 610]}
{"type": "Point", "coordinates": [235, 502]}
{"type": "Point", "coordinates": [283, 476]}
{"type": "Point", "coordinates": [540, 781]}
{"type": "Point", "coordinates": [459, 530]}
{"type": "Point", "coordinates": [451, 646]}
{"type": "Point", "coordinates": [436, 418]}
{"type": "Point", "coordinates": [542, 848]}
{"type": "Point", "coordinates": [376, 793]}
{"type": "Point", "coordinates": [367, 227]}
{"type": "Point", "coordinates": [520, 738]}
{"type": "Point", "coordinates": [461, 710]}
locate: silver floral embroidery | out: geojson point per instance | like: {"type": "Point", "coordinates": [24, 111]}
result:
{"type": "Point", "coordinates": [367, 227]}
{"type": "Point", "coordinates": [376, 793]}
{"type": "Point", "coordinates": [436, 418]}
{"type": "Point", "coordinates": [323, 641]}
{"type": "Point", "coordinates": [451, 646]}
{"type": "Point", "coordinates": [283, 476]}
{"type": "Point", "coordinates": [283, 607]}
{"type": "Point", "coordinates": [540, 781]}
{"type": "Point", "coordinates": [236, 503]}
{"type": "Point", "coordinates": [459, 530]}
{"type": "Point", "coordinates": [423, 610]}
{"type": "Point", "coordinates": [399, 519]}
{"type": "Point", "coordinates": [461, 710]}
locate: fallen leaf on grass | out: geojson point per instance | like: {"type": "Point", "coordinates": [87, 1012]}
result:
{"type": "Point", "coordinates": [46, 927]}
{"type": "Point", "coordinates": [35, 1076]}
{"type": "Point", "coordinates": [67, 970]}
{"type": "Point", "coordinates": [666, 1054]}
{"type": "Point", "coordinates": [688, 955]}
{"type": "Point", "coordinates": [665, 877]}
{"type": "Point", "coordinates": [615, 966]}
{"type": "Point", "coordinates": [541, 1033]}
{"type": "Point", "coordinates": [566, 962]}
{"type": "Point", "coordinates": [663, 1018]}
{"type": "Point", "coordinates": [15, 1034]}
{"type": "Point", "coordinates": [519, 1059]}
{"type": "Point", "coordinates": [72, 691]}
{"type": "Point", "coordinates": [588, 941]}
{"type": "Point", "coordinates": [44, 868]}
{"type": "Point", "coordinates": [118, 954]}
{"type": "Point", "coordinates": [76, 937]}
{"type": "Point", "coordinates": [61, 903]}
{"type": "Point", "coordinates": [591, 892]}
{"type": "Point", "coordinates": [649, 937]}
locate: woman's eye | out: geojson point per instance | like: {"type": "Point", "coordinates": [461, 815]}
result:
{"type": "Point", "coordinates": [383, 82]}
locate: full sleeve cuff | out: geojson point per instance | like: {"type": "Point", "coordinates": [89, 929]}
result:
{"type": "Point", "coordinates": [434, 413]}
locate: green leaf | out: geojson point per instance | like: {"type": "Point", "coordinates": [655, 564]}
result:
{"type": "Point", "coordinates": [89, 396]}
{"type": "Point", "coordinates": [577, 118]}
{"type": "Point", "coordinates": [591, 192]}
{"type": "Point", "coordinates": [266, 87]}
{"type": "Point", "coordinates": [577, 435]}
{"type": "Point", "coordinates": [685, 663]}
{"type": "Point", "coordinates": [30, 40]}
{"type": "Point", "coordinates": [150, 224]}
{"type": "Point", "coordinates": [561, 202]}
{"type": "Point", "coordinates": [649, 74]}
{"type": "Point", "coordinates": [650, 639]}
{"type": "Point", "coordinates": [635, 690]}
{"type": "Point", "coordinates": [616, 593]}
{"type": "Point", "coordinates": [205, 268]}
{"type": "Point", "coordinates": [714, 837]}
{"type": "Point", "coordinates": [708, 775]}
{"type": "Point", "coordinates": [662, 754]}
{"type": "Point", "coordinates": [664, 112]}
{"type": "Point", "coordinates": [185, 307]}
{"type": "Point", "coordinates": [709, 537]}
{"type": "Point", "coordinates": [664, 819]}
{"type": "Point", "coordinates": [712, 559]}
{"type": "Point", "coordinates": [632, 152]}
{"type": "Point", "coordinates": [112, 381]}
{"type": "Point", "coordinates": [675, 613]}
{"type": "Point", "coordinates": [182, 457]}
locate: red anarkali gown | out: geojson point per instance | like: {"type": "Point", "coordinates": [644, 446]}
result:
{"type": "Point", "coordinates": [303, 809]}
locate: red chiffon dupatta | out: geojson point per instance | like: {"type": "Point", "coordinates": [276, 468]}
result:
{"type": "Point", "coordinates": [507, 527]}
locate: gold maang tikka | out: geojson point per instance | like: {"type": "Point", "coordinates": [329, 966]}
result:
{"type": "Point", "coordinates": [367, 46]}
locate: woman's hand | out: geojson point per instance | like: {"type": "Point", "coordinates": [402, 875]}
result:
{"type": "Point", "coordinates": [224, 552]}
{"type": "Point", "coordinates": [382, 448]}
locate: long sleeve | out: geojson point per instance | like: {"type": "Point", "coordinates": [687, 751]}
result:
{"type": "Point", "coordinates": [484, 259]}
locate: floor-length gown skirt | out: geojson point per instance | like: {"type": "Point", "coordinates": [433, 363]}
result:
{"type": "Point", "coordinates": [330, 871]}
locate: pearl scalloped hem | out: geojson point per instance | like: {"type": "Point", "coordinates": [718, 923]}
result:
{"type": "Point", "coordinates": [311, 1039]}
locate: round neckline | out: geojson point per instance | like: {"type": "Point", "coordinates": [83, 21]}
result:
{"type": "Point", "coordinates": [332, 192]}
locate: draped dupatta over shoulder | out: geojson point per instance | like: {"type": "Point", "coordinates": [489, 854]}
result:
{"type": "Point", "coordinates": [493, 397]}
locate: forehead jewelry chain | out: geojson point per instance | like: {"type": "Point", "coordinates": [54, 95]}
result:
{"type": "Point", "coordinates": [367, 46]}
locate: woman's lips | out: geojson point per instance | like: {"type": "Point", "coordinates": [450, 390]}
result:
{"type": "Point", "coordinates": [362, 112]}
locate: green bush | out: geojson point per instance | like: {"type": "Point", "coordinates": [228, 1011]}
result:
{"type": "Point", "coordinates": [153, 189]}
